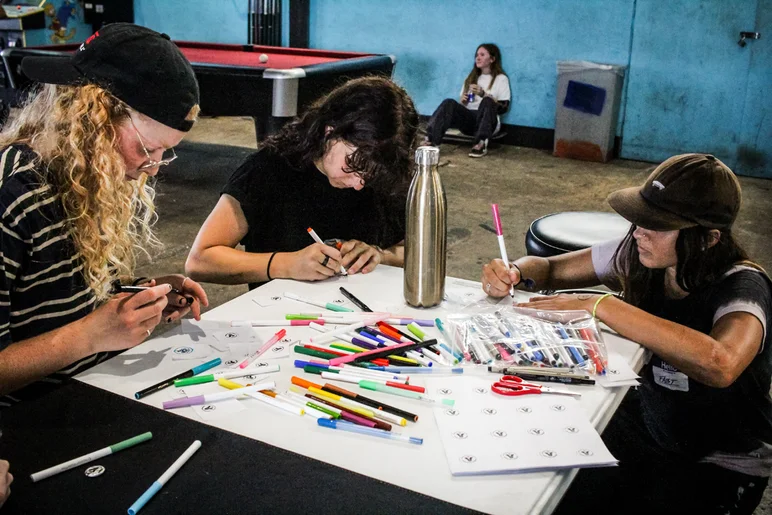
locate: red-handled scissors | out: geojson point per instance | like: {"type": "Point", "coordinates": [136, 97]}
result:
{"type": "Point", "coordinates": [513, 386]}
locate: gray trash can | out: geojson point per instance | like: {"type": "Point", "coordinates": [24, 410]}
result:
{"type": "Point", "coordinates": [588, 99]}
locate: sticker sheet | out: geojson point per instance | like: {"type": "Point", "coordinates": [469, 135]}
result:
{"type": "Point", "coordinates": [487, 433]}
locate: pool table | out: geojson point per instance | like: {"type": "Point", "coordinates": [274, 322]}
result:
{"type": "Point", "coordinates": [234, 82]}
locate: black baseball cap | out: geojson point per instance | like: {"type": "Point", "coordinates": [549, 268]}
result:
{"type": "Point", "coordinates": [684, 191]}
{"type": "Point", "coordinates": [139, 66]}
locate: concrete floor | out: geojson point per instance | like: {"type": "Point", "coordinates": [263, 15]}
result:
{"type": "Point", "coordinates": [527, 184]}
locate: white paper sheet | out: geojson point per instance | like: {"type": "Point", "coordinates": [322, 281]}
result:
{"type": "Point", "coordinates": [618, 373]}
{"type": "Point", "coordinates": [189, 351]}
{"type": "Point", "coordinates": [218, 410]}
{"type": "Point", "coordinates": [486, 433]}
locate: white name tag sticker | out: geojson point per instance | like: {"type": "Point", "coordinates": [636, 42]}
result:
{"type": "Point", "coordinates": [677, 381]}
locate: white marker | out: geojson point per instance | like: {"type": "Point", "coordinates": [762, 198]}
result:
{"type": "Point", "coordinates": [101, 453]}
{"type": "Point", "coordinates": [177, 465]}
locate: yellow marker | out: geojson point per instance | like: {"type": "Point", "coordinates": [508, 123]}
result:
{"type": "Point", "coordinates": [387, 417]}
{"type": "Point", "coordinates": [347, 346]}
{"type": "Point", "coordinates": [230, 385]}
{"type": "Point", "coordinates": [339, 401]}
{"type": "Point", "coordinates": [404, 360]}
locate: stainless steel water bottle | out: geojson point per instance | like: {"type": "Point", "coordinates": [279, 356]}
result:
{"type": "Point", "coordinates": [426, 232]}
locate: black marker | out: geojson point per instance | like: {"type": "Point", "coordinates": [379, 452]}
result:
{"type": "Point", "coordinates": [120, 288]}
{"type": "Point", "coordinates": [358, 303]}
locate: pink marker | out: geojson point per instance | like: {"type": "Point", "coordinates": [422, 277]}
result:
{"type": "Point", "coordinates": [275, 338]}
{"type": "Point", "coordinates": [500, 237]}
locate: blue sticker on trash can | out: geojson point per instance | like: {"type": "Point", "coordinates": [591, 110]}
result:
{"type": "Point", "coordinates": [585, 97]}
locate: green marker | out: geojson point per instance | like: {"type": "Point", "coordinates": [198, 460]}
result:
{"type": "Point", "coordinates": [315, 353]}
{"type": "Point", "coordinates": [416, 330]}
{"type": "Point", "coordinates": [323, 409]}
{"type": "Point", "coordinates": [377, 387]}
{"type": "Point", "coordinates": [227, 374]}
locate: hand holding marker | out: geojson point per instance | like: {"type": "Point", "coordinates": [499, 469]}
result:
{"type": "Point", "coordinates": [317, 239]}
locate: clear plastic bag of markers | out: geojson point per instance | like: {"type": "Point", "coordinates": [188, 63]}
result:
{"type": "Point", "coordinates": [512, 336]}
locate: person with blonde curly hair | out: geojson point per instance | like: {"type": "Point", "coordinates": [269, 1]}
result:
{"type": "Point", "coordinates": [76, 205]}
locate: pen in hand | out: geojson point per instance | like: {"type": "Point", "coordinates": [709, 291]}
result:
{"type": "Point", "coordinates": [317, 239]}
{"type": "Point", "coordinates": [120, 288]}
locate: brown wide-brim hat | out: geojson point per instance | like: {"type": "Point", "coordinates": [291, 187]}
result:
{"type": "Point", "coordinates": [684, 191]}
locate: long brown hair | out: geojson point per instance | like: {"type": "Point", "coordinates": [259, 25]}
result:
{"type": "Point", "coordinates": [372, 114]}
{"type": "Point", "coordinates": [496, 68]}
{"type": "Point", "coordinates": [699, 264]}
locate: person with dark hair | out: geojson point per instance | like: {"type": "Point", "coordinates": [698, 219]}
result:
{"type": "Point", "coordinates": [342, 168]}
{"type": "Point", "coordinates": [484, 96]}
{"type": "Point", "coordinates": [697, 435]}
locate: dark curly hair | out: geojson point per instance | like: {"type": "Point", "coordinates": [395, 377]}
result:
{"type": "Point", "coordinates": [372, 114]}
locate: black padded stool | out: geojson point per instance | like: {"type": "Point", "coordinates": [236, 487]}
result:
{"type": "Point", "coordinates": [559, 233]}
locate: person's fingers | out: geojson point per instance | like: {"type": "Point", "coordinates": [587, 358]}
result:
{"type": "Point", "coordinates": [145, 329]}
{"type": "Point", "coordinates": [332, 252]}
{"type": "Point", "coordinates": [10, 479]}
{"type": "Point", "coordinates": [348, 246]}
{"type": "Point", "coordinates": [175, 299]}
{"type": "Point", "coordinates": [371, 264]}
{"type": "Point", "coordinates": [151, 311]}
{"type": "Point", "coordinates": [494, 278]}
{"type": "Point", "coordinates": [191, 286]}
{"type": "Point", "coordinates": [363, 259]}
{"type": "Point", "coordinates": [323, 272]}
{"type": "Point", "coordinates": [354, 254]}
{"type": "Point", "coordinates": [149, 296]}
{"type": "Point", "coordinates": [175, 315]}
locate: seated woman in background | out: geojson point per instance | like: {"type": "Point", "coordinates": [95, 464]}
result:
{"type": "Point", "coordinates": [484, 96]}
{"type": "Point", "coordinates": [697, 435]}
{"type": "Point", "coordinates": [342, 168]}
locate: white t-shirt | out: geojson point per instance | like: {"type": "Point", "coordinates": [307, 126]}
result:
{"type": "Point", "coordinates": [498, 92]}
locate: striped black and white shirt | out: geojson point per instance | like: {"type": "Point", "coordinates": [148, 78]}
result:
{"type": "Point", "coordinates": [41, 283]}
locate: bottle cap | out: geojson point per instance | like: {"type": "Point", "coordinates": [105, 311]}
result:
{"type": "Point", "coordinates": [427, 156]}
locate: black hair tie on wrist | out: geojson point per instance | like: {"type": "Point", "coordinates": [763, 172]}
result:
{"type": "Point", "coordinates": [268, 268]}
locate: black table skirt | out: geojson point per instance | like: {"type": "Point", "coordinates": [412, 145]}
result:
{"type": "Point", "coordinates": [229, 474]}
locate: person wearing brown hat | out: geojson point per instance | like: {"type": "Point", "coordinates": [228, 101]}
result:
{"type": "Point", "coordinates": [76, 204]}
{"type": "Point", "coordinates": [697, 435]}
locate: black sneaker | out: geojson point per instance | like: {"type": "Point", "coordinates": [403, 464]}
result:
{"type": "Point", "coordinates": [479, 152]}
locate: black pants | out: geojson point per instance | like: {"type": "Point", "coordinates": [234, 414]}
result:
{"type": "Point", "coordinates": [650, 481]}
{"type": "Point", "coordinates": [451, 114]}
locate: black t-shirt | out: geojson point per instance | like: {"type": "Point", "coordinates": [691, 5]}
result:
{"type": "Point", "coordinates": [692, 419]}
{"type": "Point", "coordinates": [280, 202]}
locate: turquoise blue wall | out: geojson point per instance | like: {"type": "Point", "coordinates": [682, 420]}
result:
{"type": "Point", "coordinates": [223, 21]}
{"type": "Point", "coordinates": [435, 41]}
{"type": "Point", "coordinates": [754, 154]}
